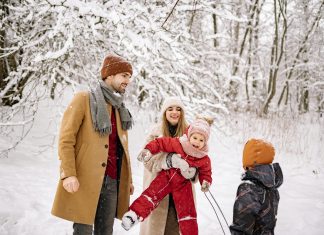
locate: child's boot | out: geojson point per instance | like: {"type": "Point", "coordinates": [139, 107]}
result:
{"type": "Point", "coordinates": [129, 219]}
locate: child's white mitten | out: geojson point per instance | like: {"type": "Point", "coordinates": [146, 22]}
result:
{"type": "Point", "coordinates": [178, 162]}
{"type": "Point", "coordinates": [190, 173]}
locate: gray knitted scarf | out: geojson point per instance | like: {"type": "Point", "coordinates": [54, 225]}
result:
{"type": "Point", "coordinates": [99, 97]}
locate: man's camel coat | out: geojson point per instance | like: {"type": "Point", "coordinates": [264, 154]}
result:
{"type": "Point", "coordinates": [83, 153]}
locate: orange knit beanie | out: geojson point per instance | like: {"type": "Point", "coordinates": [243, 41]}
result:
{"type": "Point", "coordinates": [257, 151]}
{"type": "Point", "coordinates": [113, 65]}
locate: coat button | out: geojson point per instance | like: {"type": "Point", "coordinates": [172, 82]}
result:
{"type": "Point", "coordinates": [106, 146]}
{"type": "Point", "coordinates": [103, 164]}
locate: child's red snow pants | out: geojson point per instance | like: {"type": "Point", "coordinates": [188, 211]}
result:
{"type": "Point", "coordinates": [170, 181]}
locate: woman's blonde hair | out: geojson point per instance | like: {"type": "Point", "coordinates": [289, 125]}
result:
{"type": "Point", "coordinates": [181, 126]}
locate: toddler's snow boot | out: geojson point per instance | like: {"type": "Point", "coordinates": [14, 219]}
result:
{"type": "Point", "coordinates": [129, 220]}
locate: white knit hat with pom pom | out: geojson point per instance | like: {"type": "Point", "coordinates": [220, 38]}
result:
{"type": "Point", "coordinates": [171, 101]}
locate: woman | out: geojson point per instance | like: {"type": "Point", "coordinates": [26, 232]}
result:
{"type": "Point", "coordinates": [163, 220]}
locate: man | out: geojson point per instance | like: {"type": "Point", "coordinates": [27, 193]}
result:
{"type": "Point", "coordinates": [95, 173]}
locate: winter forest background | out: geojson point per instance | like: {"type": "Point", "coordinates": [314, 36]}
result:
{"type": "Point", "coordinates": [256, 66]}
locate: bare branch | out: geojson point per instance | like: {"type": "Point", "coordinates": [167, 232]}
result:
{"type": "Point", "coordinates": [169, 14]}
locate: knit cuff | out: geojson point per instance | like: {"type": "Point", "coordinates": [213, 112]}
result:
{"type": "Point", "coordinates": [168, 160]}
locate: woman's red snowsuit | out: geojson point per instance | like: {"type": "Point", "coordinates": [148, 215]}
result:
{"type": "Point", "coordinates": [171, 181]}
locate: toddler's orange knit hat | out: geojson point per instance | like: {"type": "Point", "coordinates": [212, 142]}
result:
{"type": "Point", "coordinates": [257, 151]}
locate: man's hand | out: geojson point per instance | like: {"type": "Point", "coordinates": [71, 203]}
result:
{"type": "Point", "coordinates": [190, 173]}
{"type": "Point", "coordinates": [144, 155]}
{"type": "Point", "coordinates": [205, 186]}
{"type": "Point", "coordinates": [71, 184]}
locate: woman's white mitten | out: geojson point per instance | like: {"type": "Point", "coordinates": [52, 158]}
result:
{"type": "Point", "coordinates": [144, 155]}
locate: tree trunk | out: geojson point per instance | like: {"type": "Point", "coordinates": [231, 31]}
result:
{"type": "Point", "coordinates": [299, 53]}
{"type": "Point", "coordinates": [256, 46]}
{"type": "Point", "coordinates": [277, 52]}
{"type": "Point", "coordinates": [8, 64]}
{"type": "Point", "coordinates": [215, 26]}
{"type": "Point", "coordinates": [247, 30]}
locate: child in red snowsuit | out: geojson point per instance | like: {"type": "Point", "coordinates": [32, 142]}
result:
{"type": "Point", "coordinates": [191, 147]}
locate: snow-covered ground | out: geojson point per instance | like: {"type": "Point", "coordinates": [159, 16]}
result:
{"type": "Point", "coordinates": [28, 176]}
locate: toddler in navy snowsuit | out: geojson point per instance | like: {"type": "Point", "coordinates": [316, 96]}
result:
{"type": "Point", "coordinates": [257, 198]}
{"type": "Point", "coordinates": [191, 147]}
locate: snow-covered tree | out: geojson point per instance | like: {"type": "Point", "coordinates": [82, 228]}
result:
{"type": "Point", "coordinates": [218, 56]}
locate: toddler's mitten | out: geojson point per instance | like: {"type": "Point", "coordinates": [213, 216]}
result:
{"type": "Point", "coordinates": [205, 186]}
